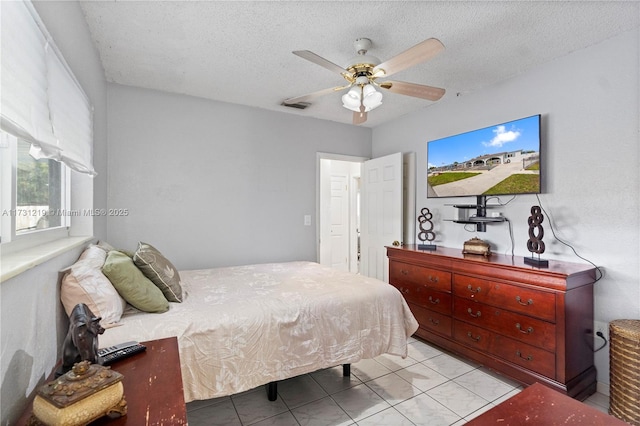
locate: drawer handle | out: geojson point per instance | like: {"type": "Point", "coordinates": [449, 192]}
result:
{"type": "Point", "coordinates": [404, 272]}
{"type": "Point", "coordinates": [404, 290]}
{"type": "Point", "coordinates": [434, 322]}
{"type": "Point", "coordinates": [529, 302]}
{"type": "Point", "coordinates": [471, 289]}
{"type": "Point", "coordinates": [477, 339]}
{"type": "Point", "coordinates": [433, 279]}
{"type": "Point", "coordinates": [476, 315]}
{"type": "Point", "coordinates": [529, 330]}
{"type": "Point", "coordinates": [434, 302]}
{"type": "Point", "coordinates": [528, 358]}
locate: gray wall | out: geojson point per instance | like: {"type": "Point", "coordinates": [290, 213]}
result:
{"type": "Point", "coordinates": [33, 322]}
{"type": "Point", "coordinates": [212, 184]}
{"type": "Point", "coordinates": [589, 105]}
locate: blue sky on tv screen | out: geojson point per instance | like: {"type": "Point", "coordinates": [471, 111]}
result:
{"type": "Point", "coordinates": [522, 134]}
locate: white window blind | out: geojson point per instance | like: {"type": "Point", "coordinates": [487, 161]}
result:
{"type": "Point", "coordinates": [41, 100]}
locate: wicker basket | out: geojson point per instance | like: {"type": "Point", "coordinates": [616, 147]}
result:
{"type": "Point", "coordinates": [624, 368]}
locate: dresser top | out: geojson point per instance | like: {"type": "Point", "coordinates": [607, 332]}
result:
{"type": "Point", "coordinates": [454, 258]}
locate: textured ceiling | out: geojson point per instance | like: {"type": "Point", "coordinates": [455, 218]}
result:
{"type": "Point", "coordinates": [240, 52]}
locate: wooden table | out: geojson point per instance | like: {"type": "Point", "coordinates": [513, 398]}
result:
{"type": "Point", "coordinates": [152, 387]}
{"type": "Point", "coordinates": [540, 405]}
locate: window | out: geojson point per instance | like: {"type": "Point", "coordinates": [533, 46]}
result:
{"type": "Point", "coordinates": [46, 123]}
{"type": "Point", "coordinates": [39, 187]}
{"type": "Point", "coordinates": [35, 193]}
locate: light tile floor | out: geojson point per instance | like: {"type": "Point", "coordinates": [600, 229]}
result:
{"type": "Point", "coordinates": [429, 387]}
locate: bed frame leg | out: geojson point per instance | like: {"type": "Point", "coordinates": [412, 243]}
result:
{"type": "Point", "coordinates": [272, 387]}
{"type": "Point", "coordinates": [272, 391]}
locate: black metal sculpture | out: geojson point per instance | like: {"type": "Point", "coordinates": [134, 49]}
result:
{"type": "Point", "coordinates": [426, 230]}
{"type": "Point", "coordinates": [81, 342]}
{"type": "Point", "coordinates": [535, 243]}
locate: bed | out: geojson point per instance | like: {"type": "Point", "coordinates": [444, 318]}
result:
{"type": "Point", "coordinates": [245, 326]}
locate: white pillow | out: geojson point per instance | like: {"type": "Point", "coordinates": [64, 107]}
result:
{"type": "Point", "coordinates": [84, 282]}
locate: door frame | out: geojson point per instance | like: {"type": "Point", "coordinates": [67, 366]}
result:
{"type": "Point", "coordinates": [327, 156]}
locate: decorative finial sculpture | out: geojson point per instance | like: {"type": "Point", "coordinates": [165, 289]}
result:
{"type": "Point", "coordinates": [426, 230]}
{"type": "Point", "coordinates": [535, 244]}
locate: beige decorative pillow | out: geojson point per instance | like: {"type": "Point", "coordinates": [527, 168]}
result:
{"type": "Point", "coordinates": [105, 246]}
{"type": "Point", "coordinates": [159, 270]}
{"type": "Point", "coordinates": [84, 282]}
{"type": "Point", "coordinates": [132, 285]}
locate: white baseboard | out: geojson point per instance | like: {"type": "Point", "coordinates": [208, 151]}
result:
{"type": "Point", "coordinates": [603, 388]}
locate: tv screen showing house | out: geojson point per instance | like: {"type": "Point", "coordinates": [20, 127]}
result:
{"type": "Point", "coordinates": [503, 159]}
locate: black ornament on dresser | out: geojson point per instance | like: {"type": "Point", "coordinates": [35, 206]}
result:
{"type": "Point", "coordinates": [535, 245]}
{"type": "Point", "coordinates": [426, 230]}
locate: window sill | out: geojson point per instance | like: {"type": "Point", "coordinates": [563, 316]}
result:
{"type": "Point", "coordinates": [13, 264]}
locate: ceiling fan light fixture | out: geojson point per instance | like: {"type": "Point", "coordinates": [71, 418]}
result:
{"type": "Point", "coordinates": [368, 90]}
{"type": "Point", "coordinates": [372, 98]}
{"type": "Point", "coordinates": [354, 93]}
{"type": "Point", "coordinates": [351, 99]}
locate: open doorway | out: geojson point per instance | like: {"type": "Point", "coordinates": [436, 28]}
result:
{"type": "Point", "coordinates": [339, 211]}
{"type": "Point", "coordinates": [342, 214]}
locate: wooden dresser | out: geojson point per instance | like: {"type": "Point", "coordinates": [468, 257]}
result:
{"type": "Point", "coordinates": [530, 324]}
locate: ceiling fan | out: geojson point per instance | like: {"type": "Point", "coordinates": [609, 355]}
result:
{"type": "Point", "coordinates": [364, 70]}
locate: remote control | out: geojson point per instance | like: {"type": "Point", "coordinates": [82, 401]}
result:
{"type": "Point", "coordinates": [123, 350]}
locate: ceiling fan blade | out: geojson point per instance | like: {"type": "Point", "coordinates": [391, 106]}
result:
{"type": "Point", "coordinates": [410, 57]}
{"type": "Point", "coordinates": [412, 89]}
{"type": "Point", "coordinates": [319, 60]}
{"type": "Point", "coordinates": [310, 96]}
{"type": "Point", "coordinates": [359, 117]}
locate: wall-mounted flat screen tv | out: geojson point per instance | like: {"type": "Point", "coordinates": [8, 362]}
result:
{"type": "Point", "coordinates": [498, 160]}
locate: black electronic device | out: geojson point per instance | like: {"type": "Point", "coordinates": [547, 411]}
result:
{"type": "Point", "coordinates": [120, 351]}
{"type": "Point", "coordinates": [503, 159]}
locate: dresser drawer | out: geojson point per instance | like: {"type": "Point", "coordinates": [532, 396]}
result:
{"type": "Point", "coordinates": [431, 320]}
{"type": "Point", "coordinates": [405, 274]}
{"type": "Point", "coordinates": [527, 356]}
{"type": "Point", "coordinates": [511, 350]}
{"type": "Point", "coordinates": [471, 335]}
{"type": "Point", "coordinates": [427, 297]}
{"type": "Point", "coordinates": [517, 326]}
{"type": "Point", "coordinates": [536, 303]}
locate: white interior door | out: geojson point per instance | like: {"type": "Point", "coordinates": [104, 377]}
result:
{"type": "Point", "coordinates": [338, 212]}
{"type": "Point", "coordinates": [382, 208]}
{"type": "Point", "coordinates": [339, 222]}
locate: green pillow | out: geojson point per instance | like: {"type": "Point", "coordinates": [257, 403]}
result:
{"type": "Point", "coordinates": [132, 285]}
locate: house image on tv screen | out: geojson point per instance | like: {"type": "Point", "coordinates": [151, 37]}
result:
{"type": "Point", "coordinates": [477, 163]}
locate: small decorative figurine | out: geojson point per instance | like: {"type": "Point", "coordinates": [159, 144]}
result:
{"type": "Point", "coordinates": [535, 243]}
{"type": "Point", "coordinates": [81, 342]}
{"type": "Point", "coordinates": [426, 230]}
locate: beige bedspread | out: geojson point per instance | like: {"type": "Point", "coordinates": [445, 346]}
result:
{"type": "Point", "coordinates": [241, 327]}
